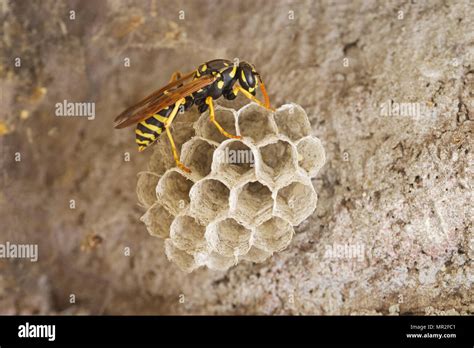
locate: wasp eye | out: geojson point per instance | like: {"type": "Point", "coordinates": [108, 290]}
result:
{"type": "Point", "coordinates": [250, 79]}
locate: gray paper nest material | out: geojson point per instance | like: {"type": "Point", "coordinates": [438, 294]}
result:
{"type": "Point", "coordinates": [243, 197]}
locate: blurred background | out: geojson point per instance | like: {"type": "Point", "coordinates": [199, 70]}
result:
{"type": "Point", "coordinates": [396, 185]}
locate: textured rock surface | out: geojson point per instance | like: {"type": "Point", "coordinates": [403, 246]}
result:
{"type": "Point", "coordinates": [393, 224]}
{"type": "Point", "coordinates": [242, 197]}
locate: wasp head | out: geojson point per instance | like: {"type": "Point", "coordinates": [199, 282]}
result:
{"type": "Point", "coordinates": [248, 77]}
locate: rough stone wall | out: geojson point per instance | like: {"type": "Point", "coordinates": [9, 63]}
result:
{"type": "Point", "coordinates": [396, 189]}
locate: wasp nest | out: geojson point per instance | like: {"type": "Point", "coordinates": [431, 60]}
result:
{"type": "Point", "coordinates": [243, 197]}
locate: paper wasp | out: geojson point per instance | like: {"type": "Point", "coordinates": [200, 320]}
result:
{"type": "Point", "coordinates": [210, 81]}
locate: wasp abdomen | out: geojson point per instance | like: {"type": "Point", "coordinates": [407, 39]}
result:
{"type": "Point", "coordinates": [148, 131]}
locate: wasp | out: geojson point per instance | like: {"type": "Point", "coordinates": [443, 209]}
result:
{"type": "Point", "coordinates": [211, 80]}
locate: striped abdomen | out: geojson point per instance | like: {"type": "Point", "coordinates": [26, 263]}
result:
{"type": "Point", "coordinates": [149, 130]}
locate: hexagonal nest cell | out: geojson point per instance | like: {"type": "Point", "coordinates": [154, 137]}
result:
{"type": "Point", "coordinates": [188, 235]}
{"type": "Point", "coordinates": [234, 161]}
{"type": "Point", "coordinates": [243, 196]}
{"type": "Point", "coordinates": [161, 160]}
{"type": "Point", "coordinates": [278, 162]}
{"type": "Point", "coordinates": [295, 202]}
{"type": "Point", "coordinates": [311, 156]}
{"type": "Point", "coordinates": [207, 130]}
{"type": "Point", "coordinates": [292, 121]}
{"type": "Point", "coordinates": [256, 123]}
{"type": "Point", "coordinates": [147, 182]}
{"type": "Point", "coordinates": [273, 235]}
{"type": "Point", "coordinates": [197, 155]}
{"type": "Point", "coordinates": [210, 197]}
{"type": "Point", "coordinates": [173, 191]}
{"type": "Point", "coordinates": [252, 203]}
{"type": "Point", "coordinates": [228, 238]}
{"type": "Point", "coordinates": [158, 221]}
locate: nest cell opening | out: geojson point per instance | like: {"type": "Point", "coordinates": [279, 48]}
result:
{"type": "Point", "coordinates": [279, 158]}
{"type": "Point", "coordinates": [254, 203]}
{"type": "Point", "coordinates": [273, 235]}
{"type": "Point", "coordinates": [296, 202]}
{"type": "Point", "coordinates": [235, 159]}
{"type": "Point", "coordinates": [161, 160]}
{"type": "Point", "coordinates": [188, 235]}
{"type": "Point", "coordinates": [210, 197]}
{"type": "Point", "coordinates": [256, 122]}
{"type": "Point", "coordinates": [208, 130]}
{"type": "Point", "coordinates": [228, 238]}
{"type": "Point", "coordinates": [158, 221]}
{"type": "Point", "coordinates": [173, 191]}
{"type": "Point", "coordinates": [146, 188]}
{"type": "Point", "coordinates": [311, 155]}
{"type": "Point", "coordinates": [292, 121]}
{"type": "Point", "coordinates": [197, 155]}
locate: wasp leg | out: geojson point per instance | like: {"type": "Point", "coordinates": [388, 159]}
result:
{"type": "Point", "coordinates": [265, 96]}
{"type": "Point", "coordinates": [212, 117]}
{"type": "Point", "coordinates": [167, 125]}
{"type": "Point", "coordinates": [265, 104]}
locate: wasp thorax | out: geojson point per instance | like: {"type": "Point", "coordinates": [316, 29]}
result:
{"type": "Point", "coordinates": [243, 197]}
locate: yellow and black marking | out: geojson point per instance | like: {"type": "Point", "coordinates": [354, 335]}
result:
{"type": "Point", "coordinates": [148, 131]}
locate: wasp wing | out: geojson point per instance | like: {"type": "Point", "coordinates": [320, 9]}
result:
{"type": "Point", "coordinates": [137, 108]}
{"type": "Point", "coordinates": [166, 96]}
